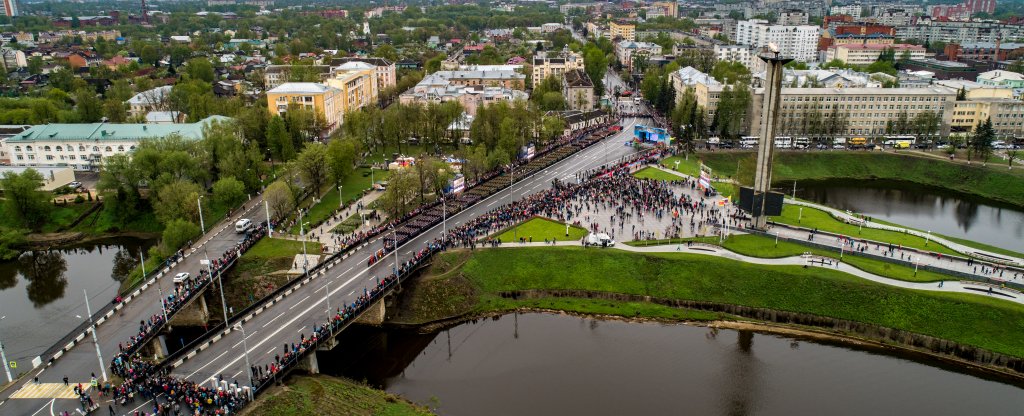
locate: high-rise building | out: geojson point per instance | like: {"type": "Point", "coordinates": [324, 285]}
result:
{"type": "Point", "coordinates": [797, 42]}
{"type": "Point", "coordinates": [10, 8]}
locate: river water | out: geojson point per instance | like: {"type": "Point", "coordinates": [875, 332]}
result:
{"type": "Point", "coordinates": [922, 208]}
{"type": "Point", "coordinates": [41, 291]}
{"type": "Point", "coordinates": [543, 364]}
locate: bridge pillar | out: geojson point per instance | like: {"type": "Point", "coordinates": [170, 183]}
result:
{"type": "Point", "coordinates": [374, 315]}
{"type": "Point", "coordinates": [158, 346]}
{"type": "Point", "coordinates": [195, 314]}
{"type": "Point", "coordinates": [328, 344]}
{"type": "Point", "coordinates": [309, 364]}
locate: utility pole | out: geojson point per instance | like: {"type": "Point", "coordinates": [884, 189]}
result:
{"type": "Point", "coordinates": [158, 287]}
{"type": "Point", "coordinates": [92, 327]}
{"type": "Point", "coordinates": [220, 279]}
{"type": "Point", "coordinates": [201, 223]}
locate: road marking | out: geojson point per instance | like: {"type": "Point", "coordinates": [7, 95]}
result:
{"type": "Point", "coordinates": [236, 374]}
{"type": "Point", "coordinates": [50, 404]}
{"type": "Point", "coordinates": [47, 391]}
{"type": "Point", "coordinates": [297, 303]}
{"type": "Point", "coordinates": [208, 363]}
{"type": "Point", "coordinates": [250, 334]}
{"type": "Point", "coordinates": [272, 320]}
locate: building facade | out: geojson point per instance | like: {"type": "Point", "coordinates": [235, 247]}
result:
{"type": "Point", "coordinates": [85, 146]}
{"type": "Point", "coordinates": [386, 72]}
{"type": "Point", "coordinates": [867, 54]}
{"type": "Point", "coordinates": [322, 99]}
{"type": "Point", "coordinates": [796, 42]}
{"type": "Point", "coordinates": [623, 31]}
{"type": "Point", "coordinates": [357, 84]}
{"type": "Point", "coordinates": [545, 66]}
{"type": "Point", "coordinates": [578, 90]}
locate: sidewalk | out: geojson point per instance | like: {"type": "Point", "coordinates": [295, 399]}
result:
{"type": "Point", "coordinates": [329, 240]}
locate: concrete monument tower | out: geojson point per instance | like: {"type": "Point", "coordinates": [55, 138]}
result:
{"type": "Point", "coordinates": [768, 124]}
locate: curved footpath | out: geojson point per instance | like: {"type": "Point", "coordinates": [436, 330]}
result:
{"type": "Point", "coordinates": [855, 220]}
{"type": "Point", "coordinates": [949, 286]}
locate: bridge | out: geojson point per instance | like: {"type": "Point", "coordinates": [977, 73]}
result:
{"type": "Point", "coordinates": [293, 309]}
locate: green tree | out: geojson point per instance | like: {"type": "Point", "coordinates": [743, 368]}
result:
{"type": "Point", "coordinates": [981, 142]}
{"type": "Point", "coordinates": [200, 69]}
{"type": "Point", "coordinates": [595, 64]}
{"type": "Point", "coordinates": [25, 203]}
{"type": "Point", "coordinates": [35, 65]}
{"type": "Point", "coordinates": [177, 234]}
{"type": "Point", "coordinates": [228, 191]}
{"type": "Point", "coordinates": [341, 156]}
{"type": "Point", "coordinates": [312, 165]}
{"type": "Point", "coordinates": [149, 55]}
{"type": "Point", "coordinates": [280, 199]}
{"type": "Point", "coordinates": [88, 107]}
{"type": "Point", "coordinates": [177, 200]}
{"type": "Point", "coordinates": [281, 146]}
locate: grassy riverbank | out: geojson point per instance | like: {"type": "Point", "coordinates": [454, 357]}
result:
{"type": "Point", "coordinates": [542, 229]}
{"type": "Point", "coordinates": [324, 395]}
{"type": "Point", "coordinates": [261, 270]}
{"type": "Point", "coordinates": [991, 182]}
{"type": "Point", "coordinates": [480, 276]}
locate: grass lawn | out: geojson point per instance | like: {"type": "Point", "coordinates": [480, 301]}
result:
{"type": "Point", "coordinates": [688, 167]}
{"type": "Point", "coordinates": [540, 229]}
{"type": "Point", "coordinates": [656, 174]}
{"type": "Point", "coordinates": [970, 319]}
{"type": "Point", "coordinates": [320, 394]}
{"type": "Point", "coordinates": [764, 247]}
{"type": "Point", "coordinates": [644, 243]}
{"type": "Point", "coordinates": [727, 189]}
{"type": "Point", "coordinates": [350, 224]}
{"type": "Point", "coordinates": [63, 215]}
{"type": "Point", "coordinates": [351, 189]}
{"type": "Point", "coordinates": [815, 218]}
{"type": "Point", "coordinates": [279, 247]}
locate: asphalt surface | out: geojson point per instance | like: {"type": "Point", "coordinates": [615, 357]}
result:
{"type": "Point", "coordinates": [268, 332]}
{"type": "Point", "coordinates": [80, 362]}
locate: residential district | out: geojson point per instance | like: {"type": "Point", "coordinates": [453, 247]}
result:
{"type": "Point", "coordinates": [271, 173]}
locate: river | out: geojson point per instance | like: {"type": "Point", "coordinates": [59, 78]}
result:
{"type": "Point", "coordinates": [922, 208]}
{"type": "Point", "coordinates": [41, 291]}
{"type": "Point", "coordinates": [544, 364]}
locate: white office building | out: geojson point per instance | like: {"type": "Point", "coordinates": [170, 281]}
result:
{"type": "Point", "coordinates": [798, 42]}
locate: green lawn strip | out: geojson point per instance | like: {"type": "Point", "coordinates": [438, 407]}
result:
{"type": "Point", "coordinates": [823, 221]}
{"type": "Point", "coordinates": [727, 189]}
{"type": "Point", "coordinates": [978, 320]}
{"type": "Point", "coordinates": [352, 189]}
{"type": "Point", "coordinates": [688, 166]}
{"type": "Point", "coordinates": [764, 247]}
{"type": "Point", "coordinates": [600, 307]}
{"type": "Point", "coordinates": [63, 215]}
{"type": "Point", "coordinates": [320, 394]}
{"type": "Point", "coordinates": [541, 229]}
{"type": "Point", "coordinates": [645, 243]}
{"type": "Point", "coordinates": [349, 225]}
{"type": "Point", "coordinates": [279, 247]}
{"type": "Point", "coordinates": [988, 182]}
{"type": "Point", "coordinates": [656, 174]}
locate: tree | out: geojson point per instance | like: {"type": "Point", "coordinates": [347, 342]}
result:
{"type": "Point", "coordinates": [177, 200]}
{"type": "Point", "coordinates": [35, 65]}
{"type": "Point", "coordinates": [228, 191]}
{"type": "Point", "coordinates": [312, 165]}
{"type": "Point", "coordinates": [25, 203]}
{"type": "Point", "coordinates": [177, 234]}
{"type": "Point", "coordinates": [341, 157]}
{"type": "Point", "coordinates": [281, 146]}
{"type": "Point", "coordinates": [387, 52]}
{"type": "Point", "coordinates": [149, 55]}
{"type": "Point", "coordinates": [119, 187]}
{"type": "Point", "coordinates": [200, 69]}
{"type": "Point", "coordinates": [731, 72]}
{"type": "Point", "coordinates": [595, 64]}
{"type": "Point", "coordinates": [88, 107]}
{"type": "Point", "coordinates": [280, 199]}
{"type": "Point", "coordinates": [981, 142]}
{"type": "Point", "coordinates": [402, 188]}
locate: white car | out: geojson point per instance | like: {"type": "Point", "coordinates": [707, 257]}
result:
{"type": "Point", "coordinates": [243, 225]}
{"type": "Point", "coordinates": [181, 277]}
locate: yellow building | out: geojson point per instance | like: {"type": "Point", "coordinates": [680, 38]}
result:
{"type": "Point", "coordinates": [671, 7]}
{"type": "Point", "coordinates": [357, 83]}
{"type": "Point", "coordinates": [1007, 114]}
{"type": "Point", "coordinates": [322, 99]}
{"type": "Point", "coordinates": [624, 31]}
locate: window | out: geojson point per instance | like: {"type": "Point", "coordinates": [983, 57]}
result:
{"type": "Point", "coordinates": [95, 148]}
{"type": "Point", "coordinates": [120, 148]}
{"type": "Point", "coordinates": [72, 157]}
{"type": "Point", "coordinates": [108, 149]}
{"type": "Point", "coordinates": [17, 148]}
{"type": "Point", "coordinates": [81, 148]}
{"type": "Point", "coordinates": [46, 148]}
{"type": "Point", "coordinates": [60, 149]}
{"type": "Point", "coordinates": [28, 148]}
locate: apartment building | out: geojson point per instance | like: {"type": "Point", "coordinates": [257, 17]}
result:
{"type": "Point", "coordinates": [472, 90]}
{"type": "Point", "coordinates": [386, 73]}
{"type": "Point", "coordinates": [1007, 114]}
{"type": "Point", "coordinates": [1001, 78]}
{"type": "Point", "coordinates": [626, 51]}
{"type": "Point", "coordinates": [275, 75]}
{"type": "Point", "coordinates": [797, 42]}
{"type": "Point", "coordinates": [867, 54]}
{"type": "Point", "coordinates": [927, 30]}
{"type": "Point", "coordinates": [357, 84]}
{"type": "Point", "coordinates": [852, 10]}
{"type": "Point", "coordinates": [623, 31]}
{"type": "Point", "coordinates": [578, 90]}
{"type": "Point", "coordinates": [735, 53]}
{"type": "Point", "coordinates": [545, 65]}
{"type": "Point", "coordinates": [322, 99]}
{"type": "Point", "coordinates": [792, 17]}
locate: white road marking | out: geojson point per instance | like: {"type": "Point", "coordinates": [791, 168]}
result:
{"type": "Point", "coordinates": [297, 303]}
{"type": "Point", "coordinates": [250, 334]}
{"type": "Point", "coordinates": [208, 363]}
{"type": "Point", "coordinates": [272, 320]}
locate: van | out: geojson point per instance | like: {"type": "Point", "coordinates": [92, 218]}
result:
{"type": "Point", "coordinates": [243, 225]}
{"type": "Point", "coordinates": [600, 239]}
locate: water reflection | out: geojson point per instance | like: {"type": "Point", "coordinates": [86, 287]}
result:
{"type": "Point", "coordinates": [43, 289]}
{"type": "Point", "coordinates": [541, 364]}
{"type": "Point", "coordinates": [44, 271]}
{"type": "Point", "coordinates": [923, 208]}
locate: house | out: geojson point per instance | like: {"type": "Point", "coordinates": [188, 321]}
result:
{"type": "Point", "coordinates": [151, 100]}
{"type": "Point", "coordinates": [578, 90]}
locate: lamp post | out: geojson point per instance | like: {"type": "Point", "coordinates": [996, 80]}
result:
{"type": "Point", "coordinates": [305, 261]}
{"type": "Point", "coordinates": [444, 218]}
{"type": "Point", "coordinates": [220, 282]}
{"type": "Point", "coordinates": [927, 237]}
{"type": "Point", "coordinates": [199, 202]}
{"type": "Point", "coordinates": [245, 346]}
{"type": "Point", "coordinates": [270, 228]}
{"type": "Point", "coordinates": [158, 287]}
{"type": "Point", "coordinates": [776, 239]}
{"type": "Point", "coordinates": [511, 183]}
{"type": "Point", "coordinates": [3, 356]}
{"type": "Point", "coordinates": [341, 199]}
{"type": "Point", "coordinates": [92, 327]}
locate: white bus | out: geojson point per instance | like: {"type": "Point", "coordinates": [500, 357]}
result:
{"type": "Point", "coordinates": [783, 142]}
{"type": "Point", "coordinates": [801, 143]}
{"type": "Point", "coordinates": [900, 142]}
{"type": "Point", "coordinates": [748, 142]}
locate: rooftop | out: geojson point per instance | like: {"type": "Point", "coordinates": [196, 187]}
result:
{"type": "Point", "coordinates": [113, 132]}
{"type": "Point", "coordinates": [578, 78]}
{"type": "Point", "coordinates": [1001, 75]}
{"type": "Point", "coordinates": [153, 96]}
{"type": "Point", "coordinates": [300, 88]}
{"type": "Point", "coordinates": [933, 90]}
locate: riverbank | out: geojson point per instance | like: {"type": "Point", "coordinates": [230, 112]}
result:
{"type": "Point", "coordinates": [989, 182]}
{"type": "Point", "coordinates": [460, 284]}
{"type": "Point", "coordinates": [320, 395]}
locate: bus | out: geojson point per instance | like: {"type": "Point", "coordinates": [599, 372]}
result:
{"type": "Point", "coordinates": [858, 142]}
{"type": "Point", "coordinates": [783, 142]}
{"type": "Point", "coordinates": [900, 142]}
{"type": "Point", "coordinates": [748, 142]}
{"type": "Point", "coordinates": [801, 143]}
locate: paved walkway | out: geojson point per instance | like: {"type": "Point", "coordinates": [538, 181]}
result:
{"type": "Point", "coordinates": [330, 241]}
{"type": "Point", "coordinates": [949, 286]}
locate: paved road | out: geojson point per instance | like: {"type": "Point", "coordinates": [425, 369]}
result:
{"type": "Point", "coordinates": [297, 313]}
{"type": "Point", "coordinates": [80, 362]}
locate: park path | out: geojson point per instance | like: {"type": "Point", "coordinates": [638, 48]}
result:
{"type": "Point", "coordinates": [852, 218]}
{"type": "Point", "coordinates": [948, 286]}
{"type": "Point", "coordinates": [329, 240]}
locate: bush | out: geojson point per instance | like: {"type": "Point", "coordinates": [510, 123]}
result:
{"type": "Point", "coordinates": [79, 199]}
{"type": "Point", "coordinates": [176, 235]}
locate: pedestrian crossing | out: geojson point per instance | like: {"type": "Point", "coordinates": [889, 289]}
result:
{"type": "Point", "coordinates": [47, 391]}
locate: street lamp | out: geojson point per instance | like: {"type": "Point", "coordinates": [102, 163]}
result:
{"type": "Point", "coordinates": [341, 199]}
{"type": "Point", "coordinates": [92, 327]}
{"type": "Point", "coordinates": [158, 287]}
{"type": "Point", "coordinates": [3, 356]}
{"type": "Point", "coordinates": [199, 202]}
{"type": "Point", "coordinates": [220, 282]}
{"type": "Point", "coordinates": [305, 260]}
{"type": "Point", "coordinates": [444, 218]}
{"type": "Point", "coordinates": [245, 346]}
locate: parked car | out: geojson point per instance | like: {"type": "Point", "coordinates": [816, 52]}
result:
{"type": "Point", "coordinates": [75, 185]}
